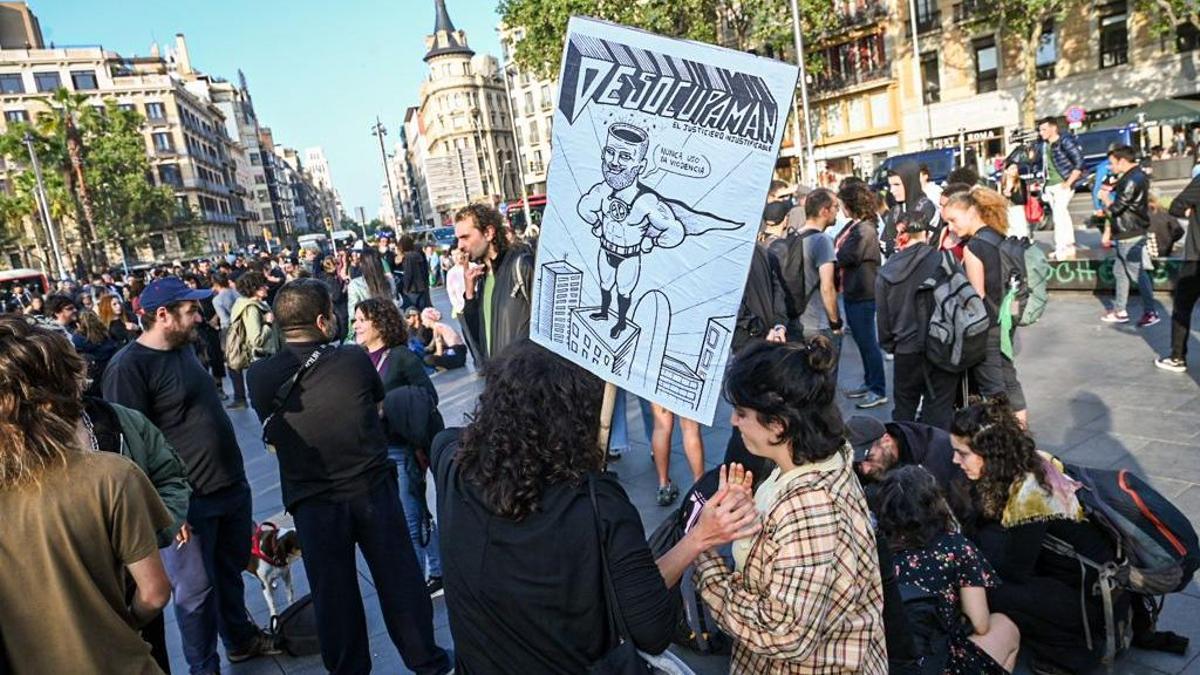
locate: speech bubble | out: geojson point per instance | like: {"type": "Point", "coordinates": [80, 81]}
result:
{"type": "Point", "coordinates": [681, 162]}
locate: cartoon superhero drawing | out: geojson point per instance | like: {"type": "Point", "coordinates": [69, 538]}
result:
{"type": "Point", "coordinates": [631, 219]}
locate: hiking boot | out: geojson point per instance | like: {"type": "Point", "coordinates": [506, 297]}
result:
{"type": "Point", "coordinates": [1115, 317]}
{"type": "Point", "coordinates": [667, 494]}
{"type": "Point", "coordinates": [262, 644]}
{"type": "Point", "coordinates": [1172, 364]}
{"type": "Point", "coordinates": [434, 586]}
{"type": "Point", "coordinates": [871, 400]}
{"type": "Point", "coordinates": [1148, 319]}
{"type": "Point", "coordinates": [858, 393]}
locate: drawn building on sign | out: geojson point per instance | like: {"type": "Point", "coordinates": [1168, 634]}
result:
{"type": "Point", "coordinates": [591, 339]}
{"type": "Point", "coordinates": [686, 384]}
{"type": "Point", "coordinates": [563, 283]}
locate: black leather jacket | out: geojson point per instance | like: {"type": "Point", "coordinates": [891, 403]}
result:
{"type": "Point", "coordinates": [1130, 209]}
{"type": "Point", "coordinates": [510, 305]}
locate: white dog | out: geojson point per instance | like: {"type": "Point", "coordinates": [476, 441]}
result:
{"type": "Point", "coordinates": [273, 549]}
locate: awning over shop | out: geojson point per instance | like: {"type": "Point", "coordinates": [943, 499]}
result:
{"type": "Point", "coordinates": [1164, 112]}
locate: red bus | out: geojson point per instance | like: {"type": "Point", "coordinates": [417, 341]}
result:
{"type": "Point", "coordinates": [516, 212]}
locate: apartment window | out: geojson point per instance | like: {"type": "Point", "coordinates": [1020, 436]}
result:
{"type": "Point", "coordinates": [854, 62]}
{"type": "Point", "coordinates": [168, 174]}
{"type": "Point", "coordinates": [127, 107]}
{"type": "Point", "coordinates": [1187, 37]}
{"type": "Point", "coordinates": [534, 135]}
{"type": "Point", "coordinates": [546, 98]}
{"type": "Point", "coordinates": [857, 113]}
{"type": "Point", "coordinates": [987, 65]}
{"type": "Point", "coordinates": [1047, 52]}
{"type": "Point", "coordinates": [931, 78]}
{"type": "Point", "coordinates": [1114, 34]}
{"type": "Point", "coordinates": [528, 102]}
{"type": "Point", "coordinates": [255, 160]}
{"type": "Point", "coordinates": [16, 115]}
{"type": "Point", "coordinates": [834, 124]}
{"type": "Point", "coordinates": [47, 82]}
{"type": "Point", "coordinates": [84, 80]}
{"type": "Point", "coordinates": [260, 180]}
{"type": "Point", "coordinates": [163, 142]}
{"type": "Point", "coordinates": [11, 83]}
{"type": "Point", "coordinates": [928, 15]}
{"type": "Point", "coordinates": [156, 111]}
{"type": "Point", "coordinates": [881, 110]}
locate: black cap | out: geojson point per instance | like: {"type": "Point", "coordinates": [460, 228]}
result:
{"type": "Point", "coordinates": [862, 432]}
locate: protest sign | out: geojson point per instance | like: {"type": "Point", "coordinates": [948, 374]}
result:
{"type": "Point", "coordinates": [663, 153]}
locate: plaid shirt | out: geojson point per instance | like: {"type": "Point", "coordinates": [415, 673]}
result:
{"type": "Point", "coordinates": [810, 598]}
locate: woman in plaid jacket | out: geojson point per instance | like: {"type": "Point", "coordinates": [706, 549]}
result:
{"type": "Point", "coordinates": [804, 595]}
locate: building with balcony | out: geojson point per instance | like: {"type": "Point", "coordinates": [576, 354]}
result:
{"type": "Point", "coordinates": [462, 119]}
{"type": "Point", "coordinates": [531, 102]}
{"type": "Point", "coordinates": [415, 153]}
{"type": "Point", "coordinates": [967, 91]}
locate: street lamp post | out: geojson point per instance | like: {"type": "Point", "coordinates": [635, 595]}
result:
{"type": "Point", "coordinates": [916, 59]}
{"type": "Point", "coordinates": [44, 207]}
{"type": "Point", "coordinates": [810, 166]}
{"type": "Point", "coordinates": [379, 131]}
{"type": "Point", "coordinates": [512, 121]}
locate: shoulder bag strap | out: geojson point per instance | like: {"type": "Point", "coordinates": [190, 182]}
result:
{"type": "Point", "coordinates": [615, 618]}
{"type": "Point", "coordinates": [285, 390]}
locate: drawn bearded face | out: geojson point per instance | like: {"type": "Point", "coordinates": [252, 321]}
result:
{"type": "Point", "coordinates": [623, 159]}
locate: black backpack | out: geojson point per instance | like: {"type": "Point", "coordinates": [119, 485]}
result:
{"type": "Point", "coordinates": [789, 252]}
{"type": "Point", "coordinates": [296, 628]}
{"type": "Point", "coordinates": [930, 635]}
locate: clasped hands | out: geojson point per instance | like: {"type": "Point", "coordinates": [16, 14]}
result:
{"type": "Point", "coordinates": [730, 513]}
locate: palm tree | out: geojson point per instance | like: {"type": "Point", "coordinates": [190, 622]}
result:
{"type": "Point", "coordinates": [67, 113]}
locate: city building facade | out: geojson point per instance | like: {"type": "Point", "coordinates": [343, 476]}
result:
{"type": "Point", "coordinates": [531, 102]}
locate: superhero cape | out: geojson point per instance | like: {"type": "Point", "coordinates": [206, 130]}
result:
{"type": "Point", "coordinates": [694, 221]}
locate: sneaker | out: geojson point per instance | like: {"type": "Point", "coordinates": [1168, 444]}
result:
{"type": "Point", "coordinates": [1172, 364]}
{"type": "Point", "coordinates": [1148, 319]}
{"type": "Point", "coordinates": [858, 393]}
{"type": "Point", "coordinates": [435, 587]}
{"type": "Point", "coordinates": [262, 644]}
{"type": "Point", "coordinates": [1115, 317]}
{"type": "Point", "coordinates": [667, 494]}
{"type": "Point", "coordinates": [871, 400]}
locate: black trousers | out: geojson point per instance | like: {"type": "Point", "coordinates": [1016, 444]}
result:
{"type": "Point", "coordinates": [1187, 292]}
{"type": "Point", "coordinates": [919, 383]}
{"type": "Point", "coordinates": [372, 521]}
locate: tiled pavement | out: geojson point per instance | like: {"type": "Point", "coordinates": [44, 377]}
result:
{"type": "Point", "coordinates": [1095, 398]}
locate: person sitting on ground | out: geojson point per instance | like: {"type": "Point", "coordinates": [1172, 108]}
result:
{"type": "Point", "coordinates": [527, 519]}
{"type": "Point", "coordinates": [77, 523]}
{"type": "Point", "coordinates": [420, 338]}
{"type": "Point", "coordinates": [804, 594]}
{"type": "Point", "coordinates": [932, 557]}
{"type": "Point", "coordinates": [448, 350]}
{"type": "Point", "coordinates": [1024, 497]}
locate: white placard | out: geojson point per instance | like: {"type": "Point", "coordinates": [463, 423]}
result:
{"type": "Point", "coordinates": [663, 153]}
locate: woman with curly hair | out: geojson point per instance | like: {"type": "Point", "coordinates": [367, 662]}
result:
{"type": "Point", "coordinates": [78, 523]}
{"type": "Point", "coordinates": [527, 515]}
{"type": "Point", "coordinates": [858, 260]}
{"type": "Point", "coordinates": [379, 329]}
{"type": "Point", "coordinates": [933, 557]}
{"type": "Point", "coordinates": [804, 594]}
{"type": "Point", "coordinates": [979, 217]}
{"type": "Point", "coordinates": [1024, 497]}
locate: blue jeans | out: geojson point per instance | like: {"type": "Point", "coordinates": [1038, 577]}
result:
{"type": "Point", "coordinates": [860, 316]}
{"type": "Point", "coordinates": [206, 576]}
{"type": "Point", "coordinates": [329, 532]}
{"type": "Point", "coordinates": [618, 435]}
{"type": "Point", "coordinates": [429, 560]}
{"type": "Point", "coordinates": [1127, 266]}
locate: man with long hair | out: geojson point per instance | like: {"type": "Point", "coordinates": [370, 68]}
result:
{"type": "Point", "coordinates": [76, 522]}
{"type": "Point", "coordinates": [320, 410]}
{"type": "Point", "coordinates": [499, 281]}
{"type": "Point", "coordinates": [160, 376]}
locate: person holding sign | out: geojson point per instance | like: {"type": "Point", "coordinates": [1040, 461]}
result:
{"type": "Point", "coordinates": [805, 592]}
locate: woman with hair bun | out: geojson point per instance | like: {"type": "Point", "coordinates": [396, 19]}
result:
{"type": "Point", "coordinates": [1024, 497]}
{"type": "Point", "coordinates": [805, 593]}
{"type": "Point", "coordinates": [979, 216]}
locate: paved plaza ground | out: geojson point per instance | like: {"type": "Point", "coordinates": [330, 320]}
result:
{"type": "Point", "coordinates": [1095, 398]}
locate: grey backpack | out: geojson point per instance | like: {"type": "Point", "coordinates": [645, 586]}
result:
{"type": "Point", "coordinates": [958, 321]}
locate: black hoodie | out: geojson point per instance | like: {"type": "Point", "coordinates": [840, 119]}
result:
{"type": "Point", "coordinates": [902, 320]}
{"type": "Point", "coordinates": [916, 206]}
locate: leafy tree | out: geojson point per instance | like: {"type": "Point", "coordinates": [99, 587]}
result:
{"type": "Point", "coordinates": [1167, 15]}
{"type": "Point", "coordinates": [1026, 20]}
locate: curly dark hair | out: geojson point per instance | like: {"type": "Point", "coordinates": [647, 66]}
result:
{"type": "Point", "coordinates": [992, 431]}
{"type": "Point", "coordinates": [534, 426]}
{"type": "Point", "coordinates": [791, 384]}
{"type": "Point", "coordinates": [386, 318]}
{"type": "Point", "coordinates": [860, 202]}
{"type": "Point", "coordinates": [911, 508]}
{"type": "Point", "coordinates": [249, 283]}
{"type": "Point", "coordinates": [482, 217]}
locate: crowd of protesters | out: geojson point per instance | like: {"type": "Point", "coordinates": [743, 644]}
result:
{"type": "Point", "coordinates": [119, 457]}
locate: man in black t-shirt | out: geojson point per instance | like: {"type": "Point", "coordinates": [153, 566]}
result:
{"type": "Point", "coordinates": [160, 376]}
{"type": "Point", "coordinates": [320, 408]}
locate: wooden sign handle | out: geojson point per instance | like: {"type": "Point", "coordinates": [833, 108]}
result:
{"type": "Point", "coordinates": [606, 416]}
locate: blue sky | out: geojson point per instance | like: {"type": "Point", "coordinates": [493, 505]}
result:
{"type": "Point", "coordinates": [319, 71]}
